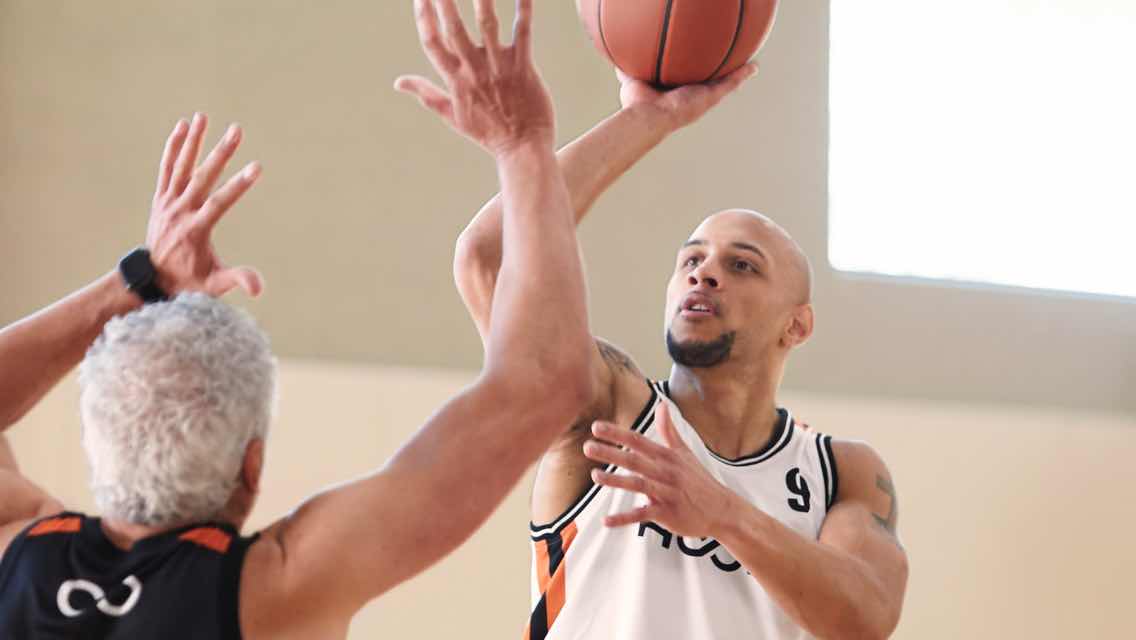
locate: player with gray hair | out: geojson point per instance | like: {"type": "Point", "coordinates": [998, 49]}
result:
{"type": "Point", "coordinates": [177, 397]}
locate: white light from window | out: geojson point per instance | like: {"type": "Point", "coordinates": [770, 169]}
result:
{"type": "Point", "coordinates": [985, 140]}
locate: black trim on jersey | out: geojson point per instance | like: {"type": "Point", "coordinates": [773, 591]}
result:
{"type": "Point", "coordinates": [832, 463]}
{"type": "Point", "coordinates": [778, 440]}
{"type": "Point", "coordinates": [543, 532]}
{"type": "Point", "coordinates": [538, 621]}
{"type": "Point", "coordinates": [824, 472]}
{"type": "Point", "coordinates": [555, 553]}
{"type": "Point", "coordinates": [230, 591]}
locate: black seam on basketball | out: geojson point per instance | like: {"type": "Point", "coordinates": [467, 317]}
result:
{"type": "Point", "coordinates": [599, 27]}
{"type": "Point", "coordinates": [663, 43]}
{"type": "Point", "coordinates": [737, 34]}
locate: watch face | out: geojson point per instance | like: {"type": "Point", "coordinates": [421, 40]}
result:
{"type": "Point", "coordinates": [137, 269]}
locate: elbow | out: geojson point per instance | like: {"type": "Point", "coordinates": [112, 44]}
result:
{"type": "Point", "coordinates": [470, 254]}
{"type": "Point", "coordinates": [867, 623]}
{"type": "Point", "coordinates": [552, 390]}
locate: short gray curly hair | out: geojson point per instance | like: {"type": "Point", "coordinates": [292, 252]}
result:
{"type": "Point", "coordinates": [170, 397]}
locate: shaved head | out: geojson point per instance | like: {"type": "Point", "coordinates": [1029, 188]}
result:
{"type": "Point", "coordinates": [785, 250]}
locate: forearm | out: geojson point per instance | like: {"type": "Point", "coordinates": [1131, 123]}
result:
{"type": "Point", "coordinates": [830, 593]}
{"type": "Point", "coordinates": [542, 315]}
{"type": "Point", "coordinates": [36, 352]}
{"type": "Point", "coordinates": [590, 165]}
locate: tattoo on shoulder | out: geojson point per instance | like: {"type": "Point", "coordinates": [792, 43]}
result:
{"type": "Point", "coordinates": [888, 522]}
{"type": "Point", "coordinates": [616, 359]}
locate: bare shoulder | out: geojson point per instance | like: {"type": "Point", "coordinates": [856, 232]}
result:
{"type": "Point", "coordinates": [272, 602]}
{"type": "Point", "coordinates": [865, 479]}
{"type": "Point", "coordinates": [24, 503]}
{"type": "Point", "coordinates": [626, 383]}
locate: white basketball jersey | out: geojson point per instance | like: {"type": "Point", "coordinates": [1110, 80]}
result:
{"type": "Point", "coordinates": [641, 582]}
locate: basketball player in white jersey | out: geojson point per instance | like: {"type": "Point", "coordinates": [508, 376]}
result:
{"type": "Point", "coordinates": [697, 507]}
{"type": "Point", "coordinates": [176, 396]}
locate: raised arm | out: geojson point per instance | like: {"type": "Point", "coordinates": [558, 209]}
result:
{"type": "Point", "coordinates": [591, 164]}
{"type": "Point", "coordinates": [36, 352]}
{"type": "Point", "coordinates": [350, 544]}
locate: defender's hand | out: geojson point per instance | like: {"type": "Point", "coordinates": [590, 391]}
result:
{"type": "Point", "coordinates": [494, 94]}
{"type": "Point", "coordinates": [683, 105]}
{"type": "Point", "coordinates": [682, 496]}
{"type": "Point", "coordinates": [186, 209]}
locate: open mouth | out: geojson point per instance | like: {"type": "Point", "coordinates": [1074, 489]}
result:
{"type": "Point", "coordinates": [697, 305]}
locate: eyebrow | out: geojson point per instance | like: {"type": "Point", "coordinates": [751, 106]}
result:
{"type": "Point", "coordinates": [744, 246]}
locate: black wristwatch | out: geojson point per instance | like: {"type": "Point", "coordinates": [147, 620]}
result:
{"type": "Point", "coordinates": [140, 276]}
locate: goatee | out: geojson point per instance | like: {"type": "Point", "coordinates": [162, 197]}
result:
{"type": "Point", "coordinates": [697, 354]}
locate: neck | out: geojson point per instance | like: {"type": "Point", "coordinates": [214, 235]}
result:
{"type": "Point", "coordinates": [123, 534]}
{"type": "Point", "coordinates": [733, 411]}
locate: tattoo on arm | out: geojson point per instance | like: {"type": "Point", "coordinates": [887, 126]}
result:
{"type": "Point", "coordinates": [616, 359]}
{"type": "Point", "coordinates": [888, 523]}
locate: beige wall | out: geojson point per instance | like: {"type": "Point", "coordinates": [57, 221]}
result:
{"type": "Point", "coordinates": [1017, 520]}
{"type": "Point", "coordinates": [364, 194]}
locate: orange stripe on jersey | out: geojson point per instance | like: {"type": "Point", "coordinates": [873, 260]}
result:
{"type": "Point", "coordinates": [556, 589]}
{"type": "Point", "coordinates": [56, 525]}
{"type": "Point", "coordinates": [208, 537]}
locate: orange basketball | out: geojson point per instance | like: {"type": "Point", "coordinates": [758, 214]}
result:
{"type": "Point", "coordinates": [675, 42]}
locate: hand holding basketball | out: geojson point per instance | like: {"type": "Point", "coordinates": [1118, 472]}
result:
{"type": "Point", "coordinates": [686, 104]}
{"type": "Point", "coordinates": [494, 94]}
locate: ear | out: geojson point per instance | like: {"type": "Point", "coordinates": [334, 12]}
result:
{"type": "Point", "coordinates": [252, 466]}
{"type": "Point", "coordinates": [800, 327]}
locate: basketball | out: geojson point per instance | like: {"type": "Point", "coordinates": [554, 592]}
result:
{"type": "Point", "coordinates": [674, 42]}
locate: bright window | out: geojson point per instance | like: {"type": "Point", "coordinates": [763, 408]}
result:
{"type": "Point", "coordinates": [986, 140]}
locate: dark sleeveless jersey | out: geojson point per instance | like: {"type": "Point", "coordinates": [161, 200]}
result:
{"type": "Point", "coordinates": [63, 578]}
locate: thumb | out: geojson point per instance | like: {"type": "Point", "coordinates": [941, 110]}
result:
{"type": "Point", "coordinates": [427, 93]}
{"type": "Point", "coordinates": [223, 281]}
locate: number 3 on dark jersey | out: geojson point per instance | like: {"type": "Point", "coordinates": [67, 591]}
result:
{"type": "Point", "coordinates": [799, 487]}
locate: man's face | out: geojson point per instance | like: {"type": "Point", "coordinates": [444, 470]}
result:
{"type": "Point", "coordinates": [736, 285]}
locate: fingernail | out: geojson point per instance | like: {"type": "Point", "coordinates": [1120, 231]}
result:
{"type": "Point", "coordinates": [231, 132]}
{"type": "Point", "coordinates": [251, 171]}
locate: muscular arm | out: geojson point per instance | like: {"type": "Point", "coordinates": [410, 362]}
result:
{"type": "Point", "coordinates": [590, 164]}
{"type": "Point", "coordinates": [36, 352]}
{"type": "Point", "coordinates": [350, 544]}
{"type": "Point", "coordinates": [849, 583]}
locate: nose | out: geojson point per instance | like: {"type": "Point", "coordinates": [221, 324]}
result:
{"type": "Point", "coordinates": [703, 274]}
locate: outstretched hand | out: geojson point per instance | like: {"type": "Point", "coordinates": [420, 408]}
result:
{"type": "Point", "coordinates": [686, 104]}
{"type": "Point", "coordinates": [186, 209]}
{"type": "Point", "coordinates": [493, 93]}
{"type": "Point", "coordinates": [681, 495]}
